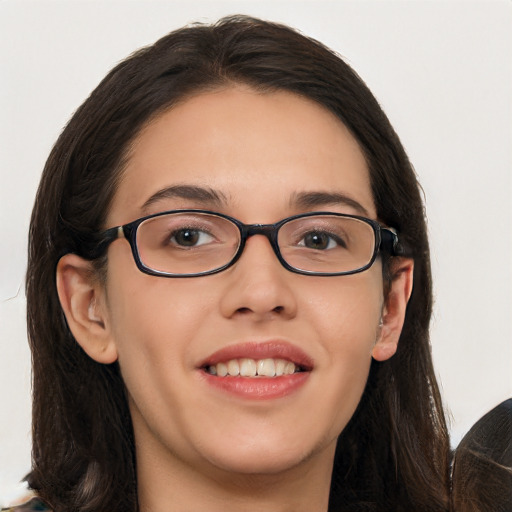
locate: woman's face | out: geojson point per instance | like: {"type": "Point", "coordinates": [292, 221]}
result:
{"type": "Point", "coordinates": [260, 158]}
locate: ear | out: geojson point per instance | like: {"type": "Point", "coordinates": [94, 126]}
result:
{"type": "Point", "coordinates": [82, 298]}
{"type": "Point", "coordinates": [393, 312]}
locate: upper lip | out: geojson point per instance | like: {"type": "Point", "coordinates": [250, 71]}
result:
{"type": "Point", "coordinates": [261, 350]}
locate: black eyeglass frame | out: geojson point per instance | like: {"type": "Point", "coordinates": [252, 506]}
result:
{"type": "Point", "coordinates": [386, 240]}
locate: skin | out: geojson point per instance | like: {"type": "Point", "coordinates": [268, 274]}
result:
{"type": "Point", "coordinates": [199, 448]}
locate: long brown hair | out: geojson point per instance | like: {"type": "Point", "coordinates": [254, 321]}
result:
{"type": "Point", "coordinates": [393, 455]}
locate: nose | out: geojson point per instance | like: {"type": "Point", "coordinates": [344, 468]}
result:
{"type": "Point", "coordinates": [259, 287]}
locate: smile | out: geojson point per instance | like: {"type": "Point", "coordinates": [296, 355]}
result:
{"type": "Point", "coordinates": [246, 367]}
{"type": "Point", "coordinates": [257, 371]}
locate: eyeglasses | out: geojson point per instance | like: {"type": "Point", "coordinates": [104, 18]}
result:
{"type": "Point", "coordinates": [190, 243]}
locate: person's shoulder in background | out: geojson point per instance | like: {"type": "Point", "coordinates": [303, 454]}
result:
{"type": "Point", "coordinates": [30, 503]}
{"type": "Point", "coordinates": [482, 464]}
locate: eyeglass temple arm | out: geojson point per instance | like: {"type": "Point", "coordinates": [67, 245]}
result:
{"type": "Point", "coordinates": [97, 247]}
{"type": "Point", "coordinates": [390, 243]}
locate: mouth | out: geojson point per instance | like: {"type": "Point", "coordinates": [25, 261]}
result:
{"type": "Point", "coordinates": [258, 370]}
{"type": "Point", "coordinates": [252, 368]}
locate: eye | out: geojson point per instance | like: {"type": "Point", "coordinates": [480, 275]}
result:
{"type": "Point", "coordinates": [321, 240]}
{"type": "Point", "coordinates": [190, 237]}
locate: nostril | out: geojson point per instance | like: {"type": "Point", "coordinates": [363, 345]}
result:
{"type": "Point", "coordinates": [278, 309]}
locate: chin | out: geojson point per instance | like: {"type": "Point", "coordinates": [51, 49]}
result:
{"type": "Point", "coordinates": [261, 464]}
{"type": "Point", "coordinates": [268, 458]}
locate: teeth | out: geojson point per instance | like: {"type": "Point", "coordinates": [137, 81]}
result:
{"type": "Point", "coordinates": [266, 367]}
{"type": "Point", "coordinates": [222, 370]}
{"type": "Point", "coordinates": [280, 366]}
{"type": "Point", "coordinates": [289, 368]}
{"type": "Point", "coordinates": [233, 367]}
{"type": "Point", "coordinates": [253, 368]}
{"type": "Point", "coordinates": [247, 367]}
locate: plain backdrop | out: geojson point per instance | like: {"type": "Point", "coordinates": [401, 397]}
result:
{"type": "Point", "coordinates": [442, 71]}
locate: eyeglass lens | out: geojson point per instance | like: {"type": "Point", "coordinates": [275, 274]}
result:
{"type": "Point", "coordinates": [193, 243]}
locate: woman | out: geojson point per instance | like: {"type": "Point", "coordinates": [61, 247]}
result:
{"type": "Point", "coordinates": [260, 336]}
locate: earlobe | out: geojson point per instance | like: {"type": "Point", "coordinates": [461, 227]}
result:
{"type": "Point", "coordinates": [82, 300]}
{"type": "Point", "coordinates": [393, 312]}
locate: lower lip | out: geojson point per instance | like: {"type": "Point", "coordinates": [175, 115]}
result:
{"type": "Point", "coordinates": [258, 388]}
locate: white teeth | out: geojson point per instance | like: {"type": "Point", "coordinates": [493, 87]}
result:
{"type": "Point", "coordinates": [222, 370]}
{"type": "Point", "coordinates": [252, 368]}
{"type": "Point", "coordinates": [233, 367]}
{"type": "Point", "coordinates": [289, 368]}
{"type": "Point", "coordinates": [247, 367]}
{"type": "Point", "coordinates": [280, 366]}
{"type": "Point", "coordinates": [266, 367]}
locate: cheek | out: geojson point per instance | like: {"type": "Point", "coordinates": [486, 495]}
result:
{"type": "Point", "coordinates": [155, 322]}
{"type": "Point", "coordinates": [349, 309]}
{"type": "Point", "coordinates": [152, 320]}
{"type": "Point", "coordinates": [151, 309]}
{"type": "Point", "coordinates": [157, 319]}
{"type": "Point", "coordinates": [346, 320]}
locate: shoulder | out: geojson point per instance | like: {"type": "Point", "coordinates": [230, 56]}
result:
{"type": "Point", "coordinates": [32, 505]}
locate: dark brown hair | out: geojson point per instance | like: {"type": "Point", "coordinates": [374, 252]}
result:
{"type": "Point", "coordinates": [393, 455]}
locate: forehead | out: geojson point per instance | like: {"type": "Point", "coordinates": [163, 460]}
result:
{"type": "Point", "coordinates": [256, 150]}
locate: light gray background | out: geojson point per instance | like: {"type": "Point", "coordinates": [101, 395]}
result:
{"type": "Point", "coordinates": [442, 70]}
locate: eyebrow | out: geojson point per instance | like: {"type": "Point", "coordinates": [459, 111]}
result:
{"type": "Point", "coordinates": [319, 199]}
{"type": "Point", "coordinates": [209, 196]}
{"type": "Point", "coordinates": [191, 192]}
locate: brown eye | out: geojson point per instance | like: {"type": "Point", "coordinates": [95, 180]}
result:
{"type": "Point", "coordinates": [316, 241]}
{"type": "Point", "coordinates": [320, 240]}
{"type": "Point", "coordinates": [187, 237]}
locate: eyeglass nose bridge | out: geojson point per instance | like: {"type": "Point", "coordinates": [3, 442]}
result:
{"type": "Point", "coordinates": [269, 231]}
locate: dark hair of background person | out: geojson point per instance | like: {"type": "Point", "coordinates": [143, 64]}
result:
{"type": "Point", "coordinates": [482, 466]}
{"type": "Point", "coordinates": [394, 453]}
